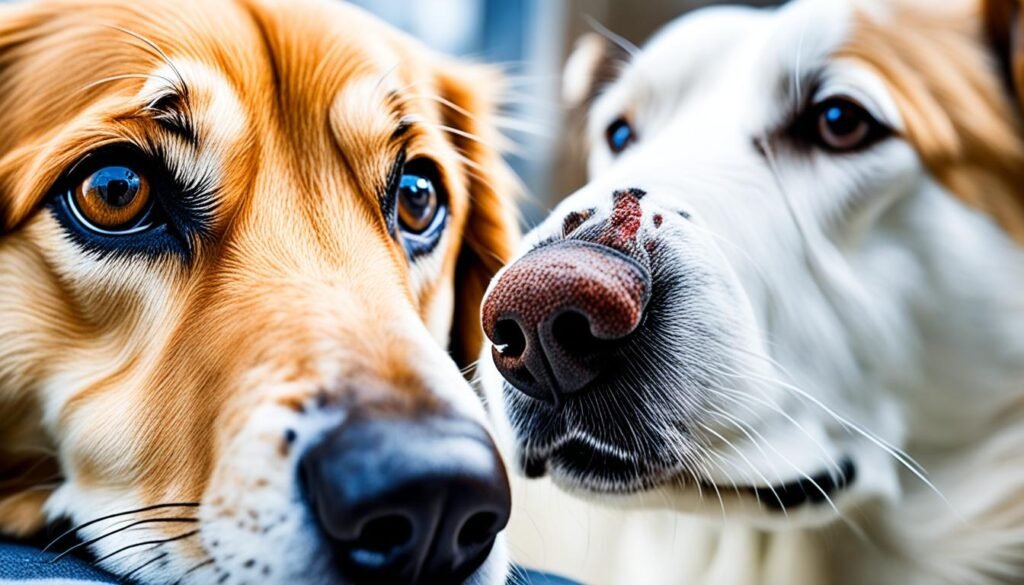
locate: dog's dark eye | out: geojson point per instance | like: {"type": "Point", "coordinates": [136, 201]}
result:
{"type": "Point", "coordinates": [841, 124]}
{"type": "Point", "coordinates": [119, 199]}
{"type": "Point", "coordinates": [112, 200]}
{"type": "Point", "coordinates": [417, 202]}
{"type": "Point", "coordinates": [619, 135]}
{"type": "Point", "coordinates": [421, 206]}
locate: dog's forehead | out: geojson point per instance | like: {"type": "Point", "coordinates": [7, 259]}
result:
{"type": "Point", "coordinates": [746, 45]}
{"type": "Point", "coordinates": [260, 76]}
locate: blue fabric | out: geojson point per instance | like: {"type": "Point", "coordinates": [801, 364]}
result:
{"type": "Point", "coordinates": [522, 576]}
{"type": "Point", "coordinates": [20, 562]}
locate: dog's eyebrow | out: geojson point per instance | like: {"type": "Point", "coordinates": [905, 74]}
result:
{"type": "Point", "coordinates": [172, 111]}
{"type": "Point", "coordinates": [405, 125]}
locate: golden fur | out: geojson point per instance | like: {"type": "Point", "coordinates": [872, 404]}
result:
{"type": "Point", "coordinates": [134, 373]}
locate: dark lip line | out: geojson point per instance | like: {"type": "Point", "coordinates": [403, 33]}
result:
{"type": "Point", "coordinates": [814, 489]}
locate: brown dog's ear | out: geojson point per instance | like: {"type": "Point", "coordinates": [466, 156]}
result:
{"type": "Point", "coordinates": [491, 229]}
{"type": "Point", "coordinates": [1004, 23]}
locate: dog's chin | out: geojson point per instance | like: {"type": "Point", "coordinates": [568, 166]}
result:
{"type": "Point", "coordinates": [590, 469]}
{"type": "Point", "coordinates": [579, 463]}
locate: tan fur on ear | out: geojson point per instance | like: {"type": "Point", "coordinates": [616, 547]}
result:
{"type": "Point", "coordinates": [956, 111]}
{"type": "Point", "coordinates": [491, 228]}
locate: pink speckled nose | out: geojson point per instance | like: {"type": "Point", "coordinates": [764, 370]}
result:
{"type": "Point", "coordinates": [556, 314]}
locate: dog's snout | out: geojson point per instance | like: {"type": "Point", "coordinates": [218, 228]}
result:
{"type": "Point", "coordinates": [408, 501]}
{"type": "Point", "coordinates": [555, 314]}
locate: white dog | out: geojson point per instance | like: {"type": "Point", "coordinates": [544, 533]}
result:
{"type": "Point", "coordinates": [790, 300]}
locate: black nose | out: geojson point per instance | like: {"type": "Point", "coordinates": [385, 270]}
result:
{"type": "Point", "coordinates": [408, 501]}
{"type": "Point", "coordinates": [555, 314]}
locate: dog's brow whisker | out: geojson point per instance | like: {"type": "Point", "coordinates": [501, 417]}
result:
{"type": "Point", "coordinates": [183, 88]}
{"type": "Point", "coordinates": [470, 367]}
{"type": "Point", "coordinates": [74, 530]}
{"type": "Point", "coordinates": [501, 121]}
{"type": "Point", "coordinates": [467, 135]}
{"type": "Point", "coordinates": [112, 78]}
{"type": "Point", "coordinates": [622, 42]}
{"type": "Point", "coordinates": [122, 529]}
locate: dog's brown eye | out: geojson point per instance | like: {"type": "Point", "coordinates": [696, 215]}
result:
{"type": "Point", "coordinates": [421, 206]}
{"type": "Point", "coordinates": [418, 202]}
{"type": "Point", "coordinates": [112, 197]}
{"type": "Point", "coordinates": [844, 125]}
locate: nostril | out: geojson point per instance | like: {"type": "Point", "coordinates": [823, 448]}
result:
{"type": "Point", "coordinates": [571, 330]}
{"type": "Point", "coordinates": [509, 339]}
{"type": "Point", "coordinates": [478, 530]}
{"type": "Point", "coordinates": [381, 539]}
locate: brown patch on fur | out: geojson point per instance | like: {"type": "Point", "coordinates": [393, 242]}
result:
{"type": "Point", "coordinates": [957, 112]}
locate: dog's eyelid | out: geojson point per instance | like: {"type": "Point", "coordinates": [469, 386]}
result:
{"type": "Point", "coordinates": [845, 79]}
{"type": "Point", "coordinates": [853, 94]}
{"type": "Point", "coordinates": [406, 125]}
{"type": "Point", "coordinates": [79, 164]}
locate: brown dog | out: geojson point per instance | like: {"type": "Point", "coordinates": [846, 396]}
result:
{"type": "Point", "coordinates": [235, 239]}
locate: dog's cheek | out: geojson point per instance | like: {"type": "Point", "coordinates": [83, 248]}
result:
{"type": "Point", "coordinates": [34, 319]}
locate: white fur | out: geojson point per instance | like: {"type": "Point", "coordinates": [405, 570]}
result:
{"type": "Point", "coordinates": [880, 315]}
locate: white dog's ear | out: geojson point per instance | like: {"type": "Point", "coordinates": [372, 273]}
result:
{"type": "Point", "coordinates": [594, 63]}
{"type": "Point", "coordinates": [1004, 22]}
